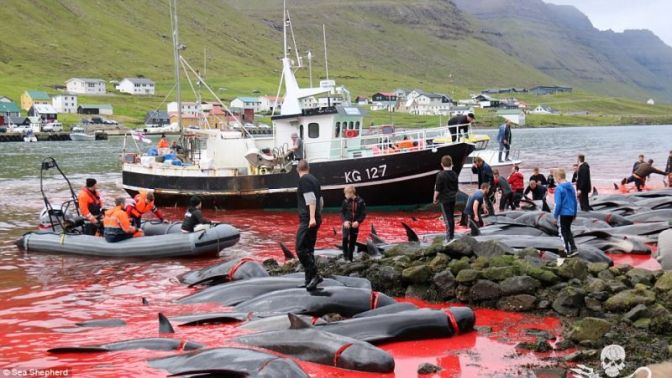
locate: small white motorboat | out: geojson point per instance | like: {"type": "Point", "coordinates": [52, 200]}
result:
{"type": "Point", "coordinates": [491, 157]}
{"type": "Point", "coordinates": [78, 134]}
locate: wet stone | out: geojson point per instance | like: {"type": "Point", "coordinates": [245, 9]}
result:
{"type": "Point", "coordinates": [590, 329]}
{"type": "Point", "coordinates": [627, 299]}
{"type": "Point", "coordinates": [639, 275]}
{"type": "Point", "coordinates": [484, 290]}
{"type": "Point", "coordinates": [445, 284]}
{"type": "Point", "coordinates": [517, 303]}
{"type": "Point", "coordinates": [467, 276]}
{"type": "Point", "coordinates": [664, 282]}
{"type": "Point", "coordinates": [498, 273]}
{"type": "Point", "coordinates": [416, 274]}
{"type": "Point", "coordinates": [427, 368]}
{"type": "Point", "coordinates": [540, 333]}
{"type": "Point", "coordinates": [492, 248]}
{"type": "Point", "coordinates": [569, 301]}
{"type": "Point", "coordinates": [519, 285]}
{"type": "Point", "coordinates": [605, 275]}
{"type": "Point", "coordinates": [596, 268]}
{"type": "Point", "coordinates": [637, 312]}
{"type": "Point", "coordinates": [593, 304]}
{"type": "Point", "coordinates": [581, 355]}
{"type": "Point", "coordinates": [439, 262]}
{"type": "Point", "coordinates": [457, 265]}
{"type": "Point", "coordinates": [538, 346]}
{"type": "Point", "coordinates": [573, 268]}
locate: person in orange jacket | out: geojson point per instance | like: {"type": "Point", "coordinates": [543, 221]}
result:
{"type": "Point", "coordinates": [90, 206]}
{"type": "Point", "coordinates": [163, 142]}
{"type": "Point", "coordinates": [117, 224]}
{"type": "Point", "coordinates": [142, 203]}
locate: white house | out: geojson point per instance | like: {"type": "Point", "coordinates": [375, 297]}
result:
{"type": "Point", "coordinates": [516, 116]}
{"type": "Point", "coordinates": [189, 109]}
{"type": "Point", "coordinates": [543, 109]}
{"type": "Point", "coordinates": [270, 102]}
{"type": "Point", "coordinates": [253, 103]}
{"type": "Point", "coordinates": [461, 110]}
{"type": "Point", "coordinates": [651, 102]}
{"type": "Point", "coordinates": [85, 86]}
{"type": "Point", "coordinates": [46, 113]}
{"type": "Point", "coordinates": [136, 86]}
{"type": "Point", "coordinates": [65, 103]}
{"type": "Point", "coordinates": [428, 104]}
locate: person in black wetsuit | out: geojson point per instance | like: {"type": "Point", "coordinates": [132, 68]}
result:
{"type": "Point", "coordinates": [538, 194]}
{"type": "Point", "coordinates": [485, 175]}
{"type": "Point", "coordinates": [461, 123]}
{"type": "Point", "coordinates": [445, 193]}
{"type": "Point", "coordinates": [583, 183]}
{"type": "Point", "coordinates": [309, 198]}
{"type": "Point", "coordinates": [538, 177]}
{"type": "Point", "coordinates": [353, 212]}
{"type": "Point", "coordinates": [193, 218]}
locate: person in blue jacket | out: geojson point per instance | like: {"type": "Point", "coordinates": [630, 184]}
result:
{"type": "Point", "coordinates": [565, 211]}
{"type": "Point", "coordinates": [504, 139]}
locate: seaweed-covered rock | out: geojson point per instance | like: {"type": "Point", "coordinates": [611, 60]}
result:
{"type": "Point", "coordinates": [405, 249]}
{"type": "Point", "coordinates": [416, 274]}
{"type": "Point", "coordinates": [519, 285]}
{"type": "Point", "coordinates": [457, 265]}
{"type": "Point", "coordinates": [484, 290]}
{"type": "Point", "coordinates": [418, 291]}
{"type": "Point", "coordinates": [384, 278]}
{"type": "Point", "coordinates": [498, 273]}
{"type": "Point", "coordinates": [590, 329]}
{"type": "Point", "coordinates": [439, 262]}
{"type": "Point", "coordinates": [664, 282]}
{"type": "Point", "coordinates": [460, 247]}
{"type": "Point", "coordinates": [445, 284]}
{"type": "Point", "coordinates": [467, 276]}
{"type": "Point", "coordinates": [427, 368]}
{"type": "Point", "coordinates": [573, 268]}
{"type": "Point", "coordinates": [517, 303]}
{"type": "Point", "coordinates": [639, 275]}
{"type": "Point", "coordinates": [597, 267]}
{"type": "Point", "coordinates": [627, 299]}
{"type": "Point", "coordinates": [569, 301]}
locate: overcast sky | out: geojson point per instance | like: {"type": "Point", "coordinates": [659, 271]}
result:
{"type": "Point", "coordinates": [618, 15]}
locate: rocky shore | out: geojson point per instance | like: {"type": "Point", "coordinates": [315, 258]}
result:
{"type": "Point", "coordinates": [599, 305]}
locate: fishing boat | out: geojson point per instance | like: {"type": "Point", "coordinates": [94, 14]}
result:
{"type": "Point", "coordinates": [489, 156]}
{"type": "Point", "coordinates": [240, 169]}
{"type": "Point", "coordinates": [78, 134]}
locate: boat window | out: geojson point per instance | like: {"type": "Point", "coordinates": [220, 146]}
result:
{"type": "Point", "coordinates": [301, 132]}
{"type": "Point", "coordinates": [338, 129]}
{"type": "Point", "coordinates": [313, 130]}
{"type": "Point", "coordinates": [357, 125]}
{"type": "Point", "coordinates": [352, 125]}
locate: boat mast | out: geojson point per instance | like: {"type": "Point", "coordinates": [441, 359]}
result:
{"type": "Point", "coordinates": [324, 36]}
{"type": "Point", "coordinates": [176, 57]}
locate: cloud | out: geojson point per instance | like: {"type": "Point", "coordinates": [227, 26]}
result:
{"type": "Point", "coordinates": [619, 15]}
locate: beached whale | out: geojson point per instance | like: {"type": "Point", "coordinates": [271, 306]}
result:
{"type": "Point", "coordinates": [346, 301]}
{"type": "Point", "coordinates": [405, 325]}
{"type": "Point", "coordinates": [661, 215]}
{"type": "Point", "coordinates": [664, 255]}
{"type": "Point", "coordinates": [102, 323]}
{"type": "Point", "coordinates": [277, 323]}
{"type": "Point", "coordinates": [391, 309]}
{"type": "Point", "coordinates": [232, 270]}
{"type": "Point", "coordinates": [307, 343]}
{"type": "Point", "coordinates": [229, 362]}
{"type": "Point", "coordinates": [233, 293]}
{"type": "Point", "coordinates": [195, 244]}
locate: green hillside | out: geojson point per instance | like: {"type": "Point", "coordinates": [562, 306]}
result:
{"type": "Point", "coordinates": [373, 45]}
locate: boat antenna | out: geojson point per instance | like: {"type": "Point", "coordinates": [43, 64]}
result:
{"type": "Point", "coordinates": [285, 20]}
{"type": "Point", "coordinates": [299, 59]}
{"type": "Point", "coordinates": [326, 62]}
{"type": "Point", "coordinates": [310, 67]}
{"type": "Point", "coordinates": [176, 57]}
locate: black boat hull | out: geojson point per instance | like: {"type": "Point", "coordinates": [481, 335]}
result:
{"type": "Point", "coordinates": [401, 179]}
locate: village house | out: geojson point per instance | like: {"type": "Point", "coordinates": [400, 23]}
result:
{"type": "Point", "coordinates": [542, 90]}
{"type": "Point", "coordinates": [206, 114]}
{"type": "Point", "coordinates": [136, 86]}
{"type": "Point", "coordinates": [516, 116]}
{"type": "Point", "coordinates": [424, 103]}
{"type": "Point", "coordinates": [156, 118]}
{"type": "Point", "coordinates": [543, 109]}
{"type": "Point", "coordinates": [461, 110]}
{"type": "Point", "coordinates": [64, 103]}
{"type": "Point", "coordinates": [247, 103]}
{"type": "Point", "coordinates": [85, 86]}
{"type": "Point", "coordinates": [101, 109]}
{"type": "Point", "coordinates": [45, 112]}
{"type": "Point", "coordinates": [503, 90]}
{"type": "Point", "coordinates": [30, 98]}
{"type": "Point", "coordinates": [401, 94]}
{"type": "Point", "coordinates": [651, 102]}
{"type": "Point", "coordinates": [8, 110]}
{"type": "Point", "coordinates": [384, 101]}
{"type": "Point", "coordinates": [486, 101]}
{"type": "Point", "coordinates": [361, 100]}
{"type": "Point", "coordinates": [270, 103]}
{"type": "Point", "coordinates": [5, 99]}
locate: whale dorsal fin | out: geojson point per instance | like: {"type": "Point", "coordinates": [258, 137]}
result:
{"type": "Point", "coordinates": [286, 252]}
{"type": "Point", "coordinates": [297, 323]}
{"type": "Point", "coordinates": [410, 234]}
{"type": "Point", "coordinates": [164, 324]}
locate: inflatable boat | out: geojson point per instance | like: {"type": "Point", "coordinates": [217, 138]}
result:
{"type": "Point", "coordinates": [160, 241]}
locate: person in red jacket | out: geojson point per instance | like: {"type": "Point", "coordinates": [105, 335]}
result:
{"type": "Point", "coordinates": [517, 182]}
{"type": "Point", "coordinates": [142, 203]}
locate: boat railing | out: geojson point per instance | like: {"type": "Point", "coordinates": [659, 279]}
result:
{"type": "Point", "coordinates": [382, 143]}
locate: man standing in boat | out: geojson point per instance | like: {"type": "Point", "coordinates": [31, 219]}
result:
{"type": "Point", "coordinates": [309, 198]}
{"type": "Point", "coordinates": [297, 147]}
{"type": "Point", "coordinates": [90, 206]}
{"type": "Point", "coordinates": [461, 125]}
{"type": "Point", "coordinates": [504, 139]}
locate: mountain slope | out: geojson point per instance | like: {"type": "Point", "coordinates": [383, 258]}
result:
{"type": "Point", "coordinates": [560, 41]}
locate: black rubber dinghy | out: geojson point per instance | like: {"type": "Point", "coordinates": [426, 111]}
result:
{"type": "Point", "coordinates": [170, 244]}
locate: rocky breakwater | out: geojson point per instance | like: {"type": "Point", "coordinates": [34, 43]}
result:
{"type": "Point", "coordinates": [599, 305]}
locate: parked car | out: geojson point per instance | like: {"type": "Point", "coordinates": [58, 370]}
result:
{"type": "Point", "coordinates": [20, 129]}
{"type": "Point", "coordinates": [53, 127]}
{"type": "Point", "coordinates": [3, 129]}
{"type": "Point", "coordinates": [103, 121]}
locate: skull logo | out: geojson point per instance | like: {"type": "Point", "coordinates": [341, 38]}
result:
{"type": "Point", "coordinates": [613, 359]}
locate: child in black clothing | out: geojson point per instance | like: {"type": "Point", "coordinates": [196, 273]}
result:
{"type": "Point", "coordinates": [353, 212]}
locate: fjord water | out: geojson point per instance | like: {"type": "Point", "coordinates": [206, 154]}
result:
{"type": "Point", "coordinates": [42, 296]}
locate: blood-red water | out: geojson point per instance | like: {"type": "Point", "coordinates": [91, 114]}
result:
{"type": "Point", "coordinates": [42, 296]}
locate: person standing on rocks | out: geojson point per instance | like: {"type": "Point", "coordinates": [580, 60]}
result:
{"type": "Point", "coordinates": [353, 212]}
{"type": "Point", "coordinates": [565, 211]}
{"type": "Point", "coordinates": [476, 208]}
{"type": "Point", "coordinates": [309, 198]}
{"type": "Point", "coordinates": [583, 184]}
{"type": "Point", "coordinates": [484, 173]}
{"type": "Point", "coordinates": [445, 192]}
